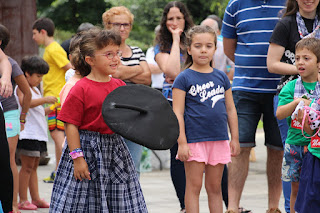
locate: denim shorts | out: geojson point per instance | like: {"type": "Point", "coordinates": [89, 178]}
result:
{"type": "Point", "coordinates": [292, 162]}
{"type": "Point", "coordinates": [251, 107]}
{"type": "Point", "coordinates": [12, 119]}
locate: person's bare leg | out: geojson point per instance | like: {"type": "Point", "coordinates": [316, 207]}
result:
{"type": "Point", "coordinates": [237, 175]}
{"type": "Point", "coordinates": [293, 196]}
{"type": "Point", "coordinates": [13, 141]}
{"type": "Point", "coordinates": [194, 173]}
{"type": "Point", "coordinates": [24, 176]}
{"type": "Point", "coordinates": [33, 182]}
{"type": "Point", "coordinates": [274, 164]}
{"type": "Point", "coordinates": [213, 176]}
{"type": "Point", "coordinates": [58, 138]}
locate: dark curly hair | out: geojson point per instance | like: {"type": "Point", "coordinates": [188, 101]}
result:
{"type": "Point", "coordinates": [164, 37]}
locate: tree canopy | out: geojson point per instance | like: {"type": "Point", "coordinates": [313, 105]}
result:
{"type": "Point", "coordinates": [69, 14]}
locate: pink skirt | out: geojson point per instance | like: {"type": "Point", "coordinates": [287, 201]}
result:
{"type": "Point", "coordinates": [210, 152]}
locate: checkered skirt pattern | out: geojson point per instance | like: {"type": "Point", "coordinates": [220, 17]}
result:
{"type": "Point", "coordinates": [114, 186]}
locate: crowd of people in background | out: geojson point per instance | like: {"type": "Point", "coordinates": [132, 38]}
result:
{"type": "Point", "coordinates": [221, 77]}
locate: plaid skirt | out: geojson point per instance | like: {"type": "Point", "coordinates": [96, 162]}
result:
{"type": "Point", "coordinates": [114, 185]}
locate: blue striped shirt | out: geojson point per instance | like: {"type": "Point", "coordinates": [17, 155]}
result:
{"type": "Point", "coordinates": [251, 23]}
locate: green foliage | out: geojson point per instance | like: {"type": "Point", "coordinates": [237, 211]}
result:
{"type": "Point", "coordinates": [69, 14]}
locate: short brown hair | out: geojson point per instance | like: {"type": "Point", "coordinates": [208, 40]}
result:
{"type": "Point", "coordinates": [311, 44]}
{"type": "Point", "coordinates": [44, 24]}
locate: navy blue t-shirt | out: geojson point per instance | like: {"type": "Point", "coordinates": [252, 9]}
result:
{"type": "Point", "coordinates": [205, 113]}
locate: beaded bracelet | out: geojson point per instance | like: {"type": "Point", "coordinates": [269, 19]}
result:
{"type": "Point", "coordinates": [24, 113]}
{"type": "Point", "coordinates": [23, 121]}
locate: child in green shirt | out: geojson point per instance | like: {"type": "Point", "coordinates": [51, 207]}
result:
{"type": "Point", "coordinates": [305, 88]}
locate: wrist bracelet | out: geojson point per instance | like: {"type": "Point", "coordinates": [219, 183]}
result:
{"type": "Point", "coordinates": [76, 155]}
{"type": "Point", "coordinates": [23, 121]}
{"type": "Point", "coordinates": [76, 150]}
{"type": "Point", "coordinates": [24, 113]}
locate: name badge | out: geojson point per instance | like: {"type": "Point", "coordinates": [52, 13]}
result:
{"type": "Point", "coordinates": [315, 141]}
{"type": "Point", "coordinates": [296, 124]}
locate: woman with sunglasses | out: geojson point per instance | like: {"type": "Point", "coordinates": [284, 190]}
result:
{"type": "Point", "coordinates": [133, 68]}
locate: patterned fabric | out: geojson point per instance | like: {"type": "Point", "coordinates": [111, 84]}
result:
{"type": "Point", "coordinates": [292, 161]}
{"type": "Point", "coordinates": [134, 60]}
{"type": "Point", "coordinates": [251, 23]}
{"type": "Point", "coordinates": [53, 122]}
{"type": "Point", "coordinates": [303, 32]}
{"type": "Point", "coordinates": [114, 186]}
{"type": "Point", "coordinates": [299, 90]}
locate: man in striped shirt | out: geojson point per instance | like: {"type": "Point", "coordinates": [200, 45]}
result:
{"type": "Point", "coordinates": [247, 27]}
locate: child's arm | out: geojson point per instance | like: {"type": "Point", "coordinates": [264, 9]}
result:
{"type": "Point", "coordinates": [286, 110]}
{"type": "Point", "coordinates": [5, 80]}
{"type": "Point", "coordinates": [38, 101]}
{"type": "Point", "coordinates": [81, 170]}
{"type": "Point", "coordinates": [233, 123]}
{"type": "Point", "coordinates": [67, 67]}
{"type": "Point", "coordinates": [178, 102]}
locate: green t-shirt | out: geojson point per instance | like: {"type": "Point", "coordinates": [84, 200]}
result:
{"type": "Point", "coordinates": [286, 96]}
{"type": "Point", "coordinates": [314, 151]}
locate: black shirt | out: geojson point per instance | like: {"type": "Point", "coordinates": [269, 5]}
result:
{"type": "Point", "coordinates": [286, 35]}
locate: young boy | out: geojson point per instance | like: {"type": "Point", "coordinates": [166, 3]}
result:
{"type": "Point", "coordinates": [56, 57]}
{"type": "Point", "coordinates": [33, 139]}
{"type": "Point", "coordinates": [306, 88]}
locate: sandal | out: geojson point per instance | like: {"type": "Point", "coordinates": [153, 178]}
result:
{"type": "Point", "coordinates": [41, 203]}
{"type": "Point", "coordinates": [243, 210]}
{"type": "Point", "coordinates": [26, 205]}
{"type": "Point", "coordinates": [273, 211]}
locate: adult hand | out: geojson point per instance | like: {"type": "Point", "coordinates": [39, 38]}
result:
{"type": "Point", "coordinates": [184, 152]}
{"type": "Point", "coordinates": [81, 170]}
{"type": "Point", "coordinates": [5, 87]}
{"type": "Point", "coordinates": [176, 33]}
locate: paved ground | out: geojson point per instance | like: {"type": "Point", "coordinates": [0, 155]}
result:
{"type": "Point", "coordinates": [159, 192]}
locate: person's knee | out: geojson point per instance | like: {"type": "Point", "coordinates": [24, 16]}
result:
{"type": "Point", "coordinates": [194, 185]}
{"type": "Point", "coordinates": [213, 188]}
{"type": "Point", "coordinates": [274, 152]}
{"type": "Point", "coordinates": [27, 169]}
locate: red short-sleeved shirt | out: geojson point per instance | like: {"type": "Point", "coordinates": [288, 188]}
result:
{"type": "Point", "coordinates": [83, 105]}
